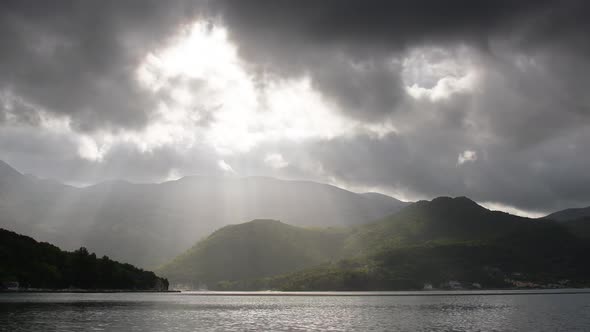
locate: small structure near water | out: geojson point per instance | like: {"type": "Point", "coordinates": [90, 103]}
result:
{"type": "Point", "coordinates": [10, 285]}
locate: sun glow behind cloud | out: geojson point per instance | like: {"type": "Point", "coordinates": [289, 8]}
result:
{"type": "Point", "coordinates": [208, 97]}
{"type": "Point", "coordinates": [202, 78]}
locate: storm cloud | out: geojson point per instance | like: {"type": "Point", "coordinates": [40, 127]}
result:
{"type": "Point", "coordinates": [418, 99]}
{"type": "Point", "coordinates": [77, 58]}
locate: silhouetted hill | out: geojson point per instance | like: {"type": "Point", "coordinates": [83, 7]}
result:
{"type": "Point", "coordinates": [7, 173]}
{"type": "Point", "coordinates": [577, 220]}
{"type": "Point", "coordinates": [255, 249]}
{"type": "Point", "coordinates": [149, 224]}
{"type": "Point", "coordinates": [580, 227]}
{"type": "Point", "coordinates": [41, 265]}
{"type": "Point", "coordinates": [569, 214]}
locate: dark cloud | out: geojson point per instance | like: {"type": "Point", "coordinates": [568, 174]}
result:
{"type": "Point", "coordinates": [282, 30]}
{"type": "Point", "coordinates": [16, 111]}
{"type": "Point", "coordinates": [366, 90]}
{"type": "Point", "coordinates": [342, 45]}
{"type": "Point", "coordinates": [78, 58]}
{"type": "Point", "coordinates": [546, 178]}
{"type": "Point", "coordinates": [526, 104]}
{"type": "Point", "coordinates": [374, 20]}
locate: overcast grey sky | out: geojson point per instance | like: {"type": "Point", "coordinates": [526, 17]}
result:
{"type": "Point", "coordinates": [416, 99]}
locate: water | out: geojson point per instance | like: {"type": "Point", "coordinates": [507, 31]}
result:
{"type": "Point", "coordinates": [485, 311]}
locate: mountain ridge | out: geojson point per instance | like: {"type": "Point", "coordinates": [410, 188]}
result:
{"type": "Point", "coordinates": [150, 223]}
{"type": "Point", "coordinates": [431, 241]}
{"type": "Point", "coordinates": [9, 173]}
{"type": "Point", "coordinates": [569, 214]}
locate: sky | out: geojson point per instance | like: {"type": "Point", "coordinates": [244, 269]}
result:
{"type": "Point", "coordinates": [416, 99]}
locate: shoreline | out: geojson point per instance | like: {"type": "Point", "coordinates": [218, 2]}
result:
{"type": "Point", "coordinates": [490, 292]}
{"type": "Point", "coordinates": [82, 291]}
{"type": "Point", "coordinates": [493, 292]}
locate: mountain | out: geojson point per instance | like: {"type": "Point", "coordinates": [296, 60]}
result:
{"type": "Point", "coordinates": [41, 265]}
{"type": "Point", "coordinates": [535, 263]}
{"type": "Point", "coordinates": [569, 214]}
{"type": "Point", "coordinates": [577, 220]}
{"type": "Point", "coordinates": [451, 240]}
{"type": "Point", "coordinates": [255, 249]}
{"type": "Point", "coordinates": [426, 242]}
{"type": "Point", "coordinates": [442, 219]}
{"type": "Point", "coordinates": [149, 224]}
{"type": "Point", "coordinates": [30, 205]}
{"type": "Point", "coordinates": [8, 174]}
{"type": "Point", "coordinates": [580, 227]}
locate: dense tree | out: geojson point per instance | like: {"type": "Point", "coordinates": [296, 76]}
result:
{"type": "Point", "coordinates": [41, 265]}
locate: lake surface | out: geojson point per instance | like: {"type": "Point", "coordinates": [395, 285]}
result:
{"type": "Point", "coordinates": [404, 311]}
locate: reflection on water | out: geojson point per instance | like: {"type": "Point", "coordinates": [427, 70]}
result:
{"type": "Point", "coordinates": [176, 312]}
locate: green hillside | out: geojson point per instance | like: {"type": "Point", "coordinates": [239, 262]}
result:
{"type": "Point", "coordinates": [254, 249]}
{"type": "Point", "coordinates": [425, 243]}
{"type": "Point", "coordinates": [536, 259]}
{"type": "Point", "coordinates": [451, 239]}
{"type": "Point", "coordinates": [41, 265]}
{"type": "Point", "coordinates": [443, 219]}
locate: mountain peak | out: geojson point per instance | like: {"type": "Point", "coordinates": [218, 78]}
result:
{"type": "Point", "coordinates": [255, 249]}
{"type": "Point", "coordinates": [458, 201]}
{"type": "Point", "coordinates": [264, 222]}
{"type": "Point", "coordinates": [447, 206]}
{"type": "Point", "coordinates": [7, 171]}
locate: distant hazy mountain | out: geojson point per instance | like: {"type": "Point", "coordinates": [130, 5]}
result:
{"type": "Point", "coordinates": [427, 242]}
{"type": "Point", "coordinates": [41, 265]}
{"type": "Point", "coordinates": [148, 224]}
{"type": "Point", "coordinates": [7, 173]}
{"type": "Point", "coordinates": [569, 214]}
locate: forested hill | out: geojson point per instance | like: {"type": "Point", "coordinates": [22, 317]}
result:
{"type": "Point", "coordinates": [41, 265]}
{"type": "Point", "coordinates": [429, 242]}
{"type": "Point", "coordinates": [259, 248]}
{"type": "Point", "coordinates": [448, 242]}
